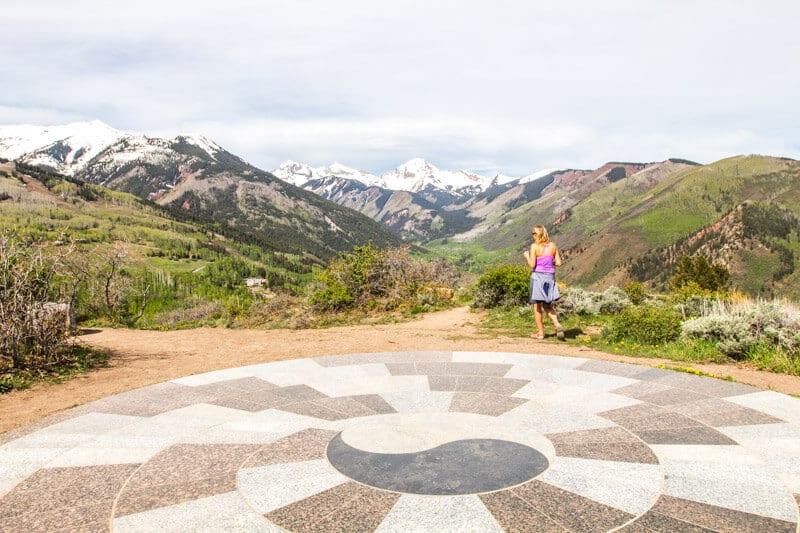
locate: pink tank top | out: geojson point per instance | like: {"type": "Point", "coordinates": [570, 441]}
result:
{"type": "Point", "coordinates": [544, 263]}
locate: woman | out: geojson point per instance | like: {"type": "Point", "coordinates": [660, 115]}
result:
{"type": "Point", "coordinates": [543, 258]}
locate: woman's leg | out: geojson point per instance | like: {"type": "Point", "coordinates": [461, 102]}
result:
{"type": "Point", "coordinates": [551, 313]}
{"type": "Point", "coordinates": [537, 315]}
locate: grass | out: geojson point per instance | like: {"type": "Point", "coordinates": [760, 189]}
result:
{"type": "Point", "coordinates": [661, 226]}
{"type": "Point", "coordinates": [587, 331]}
{"type": "Point", "coordinates": [80, 360]}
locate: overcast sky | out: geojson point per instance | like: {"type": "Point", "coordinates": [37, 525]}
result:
{"type": "Point", "coordinates": [510, 86]}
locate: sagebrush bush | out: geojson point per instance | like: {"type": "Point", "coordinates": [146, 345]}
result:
{"type": "Point", "coordinates": [740, 327]}
{"type": "Point", "coordinates": [577, 301]}
{"type": "Point", "coordinates": [581, 302]}
{"type": "Point", "coordinates": [613, 300]}
{"type": "Point", "coordinates": [645, 324]}
{"type": "Point", "coordinates": [503, 286]}
{"type": "Point", "coordinates": [694, 305]}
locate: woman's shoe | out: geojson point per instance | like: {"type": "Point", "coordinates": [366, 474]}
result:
{"type": "Point", "coordinates": [560, 333]}
{"type": "Point", "coordinates": [539, 336]}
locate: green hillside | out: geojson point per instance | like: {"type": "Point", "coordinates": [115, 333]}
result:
{"type": "Point", "coordinates": [638, 226]}
{"type": "Point", "coordinates": [172, 266]}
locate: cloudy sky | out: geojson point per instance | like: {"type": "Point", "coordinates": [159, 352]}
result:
{"type": "Point", "coordinates": [500, 85]}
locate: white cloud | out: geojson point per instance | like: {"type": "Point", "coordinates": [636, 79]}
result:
{"type": "Point", "coordinates": [513, 84]}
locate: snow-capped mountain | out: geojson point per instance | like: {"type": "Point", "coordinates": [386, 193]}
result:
{"type": "Point", "coordinates": [417, 200]}
{"type": "Point", "coordinates": [196, 175]}
{"type": "Point", "coordinates": [416, 175]}
{"type": "Point", "coordinates": [73, 148]}
{"type": "Point", "coordinates": [299, 174]}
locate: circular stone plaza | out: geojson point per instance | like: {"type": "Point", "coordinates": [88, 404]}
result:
{"type": "Point", "coordinates": [413, 441]}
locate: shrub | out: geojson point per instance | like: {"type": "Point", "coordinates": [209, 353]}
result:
{"type": "Point", "coordinates": [333, 296]}
{"type": "Point", "coordinates": [733, 337]}
{"type": "Point", "coordinates": [693, 305]}
{"type": "Point", "coordinates": [32, 336]}
{"type": "Point", "coordinates": [636, 292]}
{"type": "Point", "coordinates": [370, 277]}
{"type": "Point", "coordinates": [613, 300]}
{"type": "Point", "coordinates": [645, 324]}
{"type": "Point", "coordinates": [579, 302]}
{"type": "Point", "coordinates": [738, 328]}
{"type": "Point", "coordinates": [503, 286]}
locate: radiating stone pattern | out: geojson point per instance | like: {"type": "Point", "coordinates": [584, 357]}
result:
{"type": "Point", "coordinates": [636, 449]}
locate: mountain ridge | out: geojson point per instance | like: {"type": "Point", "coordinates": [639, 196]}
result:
{"type": "Point", "coordinates": [619, 222]}
{"type": "Point", "coordinates": [197, 175]}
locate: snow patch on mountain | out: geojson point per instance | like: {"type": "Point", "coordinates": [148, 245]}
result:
{"type": "Point", "coordinates": [71, 148]}
{"type": "Point", "coordinates": [415, 175]}
{"type": "Point", "coordinates": [538, 175]}
{"type": "Point", "coordinates": [204, 143]}
{"type": "Point", "coordinates": [66, 148]}
{"type": "Point", "coordinates": [297, 174]}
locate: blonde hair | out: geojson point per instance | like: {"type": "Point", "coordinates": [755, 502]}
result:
{"type": "Point", "coordinates": [540, 235]}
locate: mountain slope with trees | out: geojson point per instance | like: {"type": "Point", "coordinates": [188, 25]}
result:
{"type": "Point", "coordinates": [741, 212]}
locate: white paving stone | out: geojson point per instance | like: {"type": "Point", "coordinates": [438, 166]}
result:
{"type": "Point", "coordinates": [602, 401]}
{"type": "Point", "coordinates": [412, 514]}
{"type": "Point", "coordinates": [779, 405]}
{"type": "Point", "coordinates": [533, 366]}
{"type": "Point", "coordinates": [224, 434]}
{"type": "Point", "coordinates": [109, 449]}
{"type": "Point", "coordinates": [747, 488]}
{"type": "Point", "coordinates": [93, 424]}
{"type": "Point", "coordinates": [271, 487]}
{"type": "Point", "coordinates": [494, 358]}
{"type": "Point", "coordinates": [8, 484]}
{"type": "Point", "coordinates": [23, 462]}
{"type": "Point", "coordinates": [373, 385]}
{"type": "Point", "coordinates": [549, 393]}
{"type": "Point", "coordinates": [558, 394]}
{"type": "Point", "coordinates": [225, 512]}
{"type": "Point", "coordinates": [452, 514]}
{"type": "Point", "coordinates": [288, 373]}
{"type": "Point", "coordinates": [87, 456]}
{"type": "Point", "coordinates": [733, 455]}
{"type": "Point", "coordinates": [348, 380]}
{"type": "Point", "coordinates": [776, 445]}
{"type": "Point", "coordinates": [167, 425]}
{"type": "Point", "coordinates": [586, 380]}
{"type": "Point", "coordinates": [524, 360]}
{"type": "Point", "coordinates": [209, 415]}
{"type": "Point", "coordinates": [274, 421]}
{"type": "Point", "coordinates": [419, 401]}
{"type": "Point", "coordinates": [760, 433]}
{"type": "Point", "coordinates": [465, 513]}
{"type": "Point", "coordinates": [631, 487]}
{"type": "Point", "coordinates": [553, 419]}
{"type": "Point", "coordinates": [48, 439]}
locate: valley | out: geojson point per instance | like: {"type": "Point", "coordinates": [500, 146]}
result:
{"type": "Point", "coordinates": [620, 222]}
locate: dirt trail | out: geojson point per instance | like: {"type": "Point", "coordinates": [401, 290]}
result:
{"type": "Point", "coordinates": [142, 358]}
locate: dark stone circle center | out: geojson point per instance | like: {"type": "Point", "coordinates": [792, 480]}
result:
{"type": "Point", "coordinates": [470, 466]}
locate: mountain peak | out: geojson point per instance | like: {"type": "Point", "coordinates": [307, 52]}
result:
{"type": "Point", "coordinates": [416, 165]}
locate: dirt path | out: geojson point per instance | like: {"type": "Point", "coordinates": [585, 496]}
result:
{"type": "Point", "coordinates": [143, 358]}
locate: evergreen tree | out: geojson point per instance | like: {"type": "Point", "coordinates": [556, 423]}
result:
{"type": "Point", "coordinates": [697, 270]}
